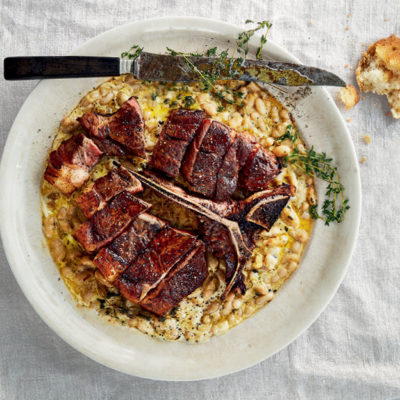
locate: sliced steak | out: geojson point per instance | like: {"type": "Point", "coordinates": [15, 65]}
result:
{"type": "Point", "coordinates": [108, 223]}
{"type": "Point", "coordinates": [111, 147]}
{"type": "Point", "coordinates": [227, 178]}
{"type": "Point", "coordinates": [205, 158]}
{"type": "Point", "coordinates": [181, 281]}
{"type": "Point", "coordinates": [96, 195]}
{"type": "Point", "coordinates": [69, 166]}
{"type": "Point", "coordinates": [118, 255]}
{"type": "Point", "coordinates": [177, 134]}
{"type": "Point", "coordinates": [245, 144]}
{"type": "Point", "coordinates": [162, 254]}
{"type": "Point", "coordinates": [125, 126]}
{"type": "Point", "coordinates": [211, 210]}
{"type": "Point", "coordinates": [261, 167]}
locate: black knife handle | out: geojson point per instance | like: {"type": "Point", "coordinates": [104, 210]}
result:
{"type": "Point", "coordinates": [21, 68]}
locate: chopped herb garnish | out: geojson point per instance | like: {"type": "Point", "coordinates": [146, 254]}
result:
{"type": "Point", "coordinates": [154, 96]}
{"type": "Point", "coordinates": [189, 101]}
{"type": "Point", "coordinates": [319, 165]}
{"type": "Point", "coordinates": [173, 104]}
{"type": "Point", "coordinates": [166, 101]}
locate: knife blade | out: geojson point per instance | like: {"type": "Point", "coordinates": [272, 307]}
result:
{"type": "Point", "coordinates": [167, 68]}
{"type": "Point", "coordinates": [160, 67]}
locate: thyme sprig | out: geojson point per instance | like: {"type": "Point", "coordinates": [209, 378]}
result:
{"type": "Point", "coordinates": [225, 67]}
{"type": "Point", "coordinates": [242, 43]}
{"type": "Point", "coordinates": [319, 165]}
{"type": "Point", "coordinates": [208, 78]}
{"type": "Point", "coordinates": [133, 53]}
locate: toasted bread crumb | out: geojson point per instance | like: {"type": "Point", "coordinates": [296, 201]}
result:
{"type": "Point", "coordinates": [363, 159]}
{"type": "Point", "coordinates": [348, 15]}
{"type": "Point", "coordinates": [349, 96]}
{"type": "Point", "coordinates": [367, 139]}
{"type": "Point", "coordinates": [348, 119]}
{"type": "Point", "coordinates": [347, 28]}
{"type": "Point", "coordinates": [379, 71]}
{"type": "Point", "coordinates": [346, 66]}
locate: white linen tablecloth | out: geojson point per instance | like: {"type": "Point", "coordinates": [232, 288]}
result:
{"type": "Point", "coordinates": [352, 351]}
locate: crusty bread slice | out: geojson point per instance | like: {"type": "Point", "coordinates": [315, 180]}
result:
{"type": "Point", "coordinates": [379, 71]}
{"type": "Point", "coordinates": [349, 96]}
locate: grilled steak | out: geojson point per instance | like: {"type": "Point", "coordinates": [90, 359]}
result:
{"type": "Point", "coordinates": [177, 134]}
{"type": "Point", "coordinates": [261, 167]}
{"type": "Point", "coordinates": [200, 206]}
{"type": "Point", "coordinates": [96, 195]}
{"type": "Point", "coordinates": [205, 158]}
{"type": "Point", "coordinates": [125, 126]}
{"type": "Point", "coordinates": [245, 144]}
{"type": "Point", "coordinates": [116, 257]}
{"type": "Point", "coordinates": [108, 223]}
{"type": "Point", "coordinates": [211, 157]}
{"type": "Point", "coordinates": [162, 254]}
{"type": "Point", "coordinates": [69, 166]}
{"type": "Point", "coordinates": [227, 178]}
{"type": "Point", "coordinates": [186, 277]}
{"type": "Point", "coordinates": [111, 147]}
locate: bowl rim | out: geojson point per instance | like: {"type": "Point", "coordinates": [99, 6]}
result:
{"type": "Point", "coordinates": [196, 23]}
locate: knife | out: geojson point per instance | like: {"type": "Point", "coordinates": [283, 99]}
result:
{"type": "Point", "coordinates": [166, 68]}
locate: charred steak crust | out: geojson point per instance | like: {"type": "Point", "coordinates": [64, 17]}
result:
{"type": "Point", "coordinates": [161, 255]}
{"type": "Point", "coordinates": [122, 132]}
{"type": "Point", "coordinates": [206, 157]}
{"type": "Point", "coordinates": [261, 167]}
{"type": "Point", "coordinates": [108, 223]}
{"type": "Point", "coordinates": [96, 195]}
{"type": "Point", "coordinates": [113, 259]}
{"type": "Point", "coordinates": [181, 281]}
{"type": "Point", "coordinates": [176, 135]}
{"type": "Point", "coordinates": [227, 178]}
{"type": "Point", "coordinates": [212, 158]}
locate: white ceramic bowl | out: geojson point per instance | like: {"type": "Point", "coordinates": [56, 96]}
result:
{"type": "Point", "coordinates": [295, 307]}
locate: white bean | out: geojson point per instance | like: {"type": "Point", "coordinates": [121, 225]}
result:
{"type": "Point", "coordinates": [260, 106]}
{"type": "Point", "coordinates": [281, 151]}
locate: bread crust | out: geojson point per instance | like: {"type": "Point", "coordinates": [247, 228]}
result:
{"type": "Point", "coordinates": [383, 57]}
{"type": "Point", "coordinates": [349, 96]}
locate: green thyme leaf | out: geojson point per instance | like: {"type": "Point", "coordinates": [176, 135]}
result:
{"type": "Point", "coordinates": [133, 53]}
{"type": "Point", "coordinates": [320, 165]}
{"type": "Point", "coordinates": [290, 134]}
{"type": "Point", "coordinates": [244, 37]}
